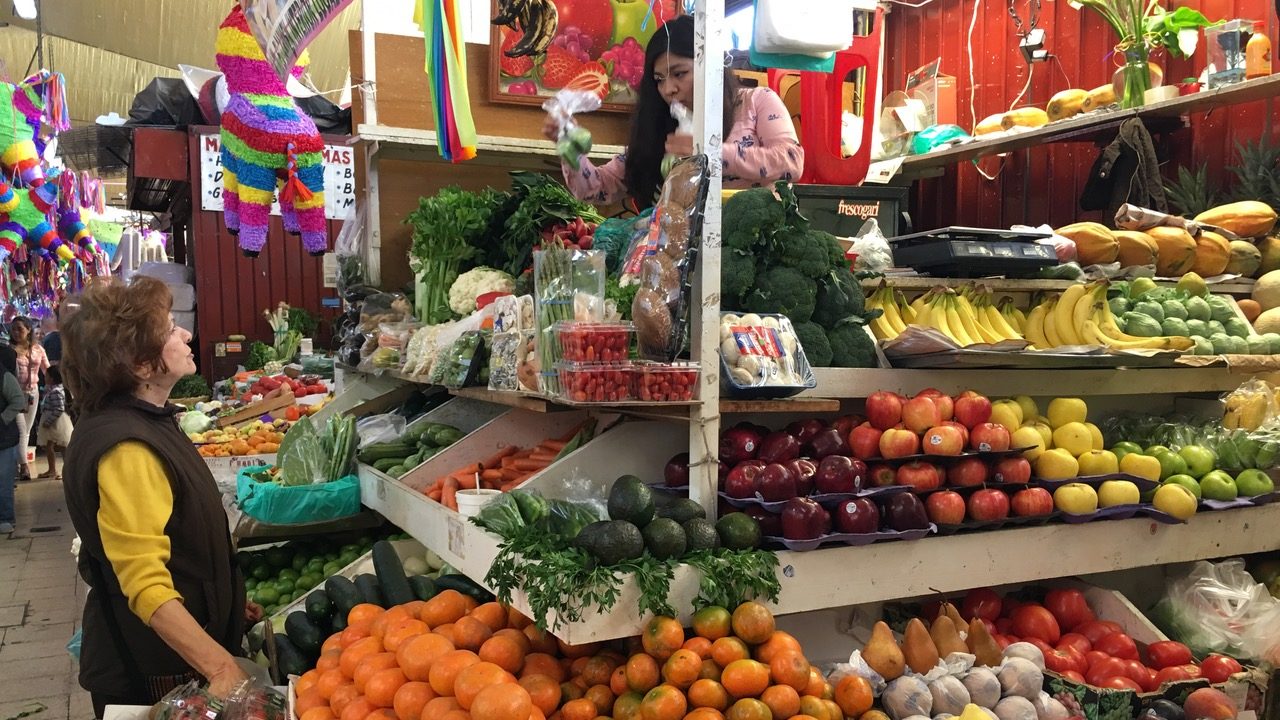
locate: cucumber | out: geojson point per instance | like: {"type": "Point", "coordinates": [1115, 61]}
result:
{"type": "Point", "coordinates": [344, 595]}
{"type": "Point", "coordinates": [319, 608]}
{"type": "Point", "coordinates": [424, 588]}
{"type": "Point", "coordinates": [289, 659]}
{"type": "Point", "coordinates": [466, 586]}
{"type": "Point", "coordinates": [387, 463]}
{"type": "Point", "coordinates": [386, 563]}
{"type": "Point", "coordinates": [397, 472]}
{"type": "Point", "coordinates": [380, 451]}
{"type": "Point", "coordinates": [303, 633]}
{"type": "Point", "coordinates": [370, 592]}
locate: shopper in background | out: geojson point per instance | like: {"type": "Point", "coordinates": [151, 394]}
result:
{"type": "Point", "coordinates": [52, 340]}
{"type": "Point", "coordinates": [167, 600]}
{"type": "Point", "coordinates": [55, 423]}
{"type": "Point", "coordinates": [32, 361]}
{"type": "Point", "coordinates": [11, 403]}
{"type": "Point", "coordinates": [760, 143]}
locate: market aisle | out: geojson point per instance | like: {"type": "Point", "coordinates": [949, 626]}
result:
{"type": "Point", "coordinates": [40, 602]}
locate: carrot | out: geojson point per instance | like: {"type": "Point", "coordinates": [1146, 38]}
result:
{"type": "Point", "coordinates": [435, 485]}
{"type": "Point", "coordinates": [522, 453]}
{"type": "Point", "coordinates": [529, 464]}
{"type": "Point", "coordinates": [449, 497]}
{"type": "Point", "coordinates": [552, 445]}
{"type": "Point", "coordinates": [491, 484]}
{"type": "Point", "coordinates": [434, 493]}
{"type": "Point", "coordinates": [495, 474]}
{"type": "Point", "coordinates": [514, 484]}
{"type": "Point", "coordinates": [509, 474]}
{"type": "Point", "coordinates": [466, 482]}
{"type": "Point", "coordinates": [543, 457]}
{"type": "Point", "coordinates": [493, 460]}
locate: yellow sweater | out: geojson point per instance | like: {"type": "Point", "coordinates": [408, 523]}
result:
{"type": "Point", "coordinates": [135, 503]}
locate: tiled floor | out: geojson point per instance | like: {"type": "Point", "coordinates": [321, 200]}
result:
{"type": "Point", "coordinates": [40, 602]}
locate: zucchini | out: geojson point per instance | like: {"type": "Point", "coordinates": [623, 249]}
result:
{"type": "Point", "coordinates": [289, 659]}
{"type": "Point", "coordinates": [303, 633]}
{"type": "Point", "coordinates": [424, 588]}
{"type": "Point", "coordinates": [343, 593]}
{"type": "Point", "coordinates": [319, 608]}
{"type": "Point", "coordinates": [385, 464]}
{"type": "Point", "coordinates": [370, 592]}
{"type": "Point", "coordinates": [386, 563]}
{"type": "Point", "coordinates": [466, 586]}
{"type": "Point", "coordinates": [396, 472]}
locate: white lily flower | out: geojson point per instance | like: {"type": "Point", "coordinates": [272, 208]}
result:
{"type": "Point", "coordinates": [1187, 40]}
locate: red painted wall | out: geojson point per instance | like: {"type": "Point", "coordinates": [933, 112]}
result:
{"type": "Point", "coordinates": [1043, 184]}
{"type": "Point", "coordinates": [233, 290]}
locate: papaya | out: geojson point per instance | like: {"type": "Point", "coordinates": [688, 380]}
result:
{"type": "Point", "coordinates": [990, 124]}
{"type": "Point", "coordinates": [1247, 218]}
{"type": "Point", "coordinates": [1213, 252]}
{"type": "Point", "coordinates": [1065, 104]}
{"type": "Point", "coordinates": [1136, 248]}
{"type": "Point", "coordinates": [1095, 244]}
{"type": "Point", "coordinates": [1177, 251]}
{"type": "Point", "coordinates": [1099, 97]}
{"type": "Point", "coordinates": [1024, 117]}
{"type": "Point", "coordinates": [1245, 258]}
{"type": "Point", "coordinates": [1270, 248]}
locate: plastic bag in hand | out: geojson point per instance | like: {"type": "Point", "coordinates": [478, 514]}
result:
{"type": "Point", "coordinates": [573, 140]}
{"type": "Point", "coordinates": [255, 701]}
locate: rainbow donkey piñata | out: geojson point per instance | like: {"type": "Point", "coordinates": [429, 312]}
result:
{"type": "Point", "coordinates": [267, 140]}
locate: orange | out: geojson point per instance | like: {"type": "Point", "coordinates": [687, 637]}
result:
{"type": "Point", "coordinates": [540, 641]}
{"type": "Point", "coordinates": [710, 671]}
{"type": "Point", "coordinates": [364, 612]}
{"type": "Point", "coordinates": [778, 642]}
{"type": "Point", "coordinates": [503, 652]}
{"type": "Point", "coordinates": [662, 637]}
{"type": "Point", "coordinates": [329, 681]}
{"type": "Point", "coordinates": [411, 698]}
{"type": "Point", "coordinates": [446, 607]}
{"type": "Point", "coordinates": [382, 714]}
{"type": "Point", "coordinates": [753, 623]}
{"type": "Point", "coordinates": [580, 709]}
{"type": "Point", "coordinates": [357, 709]}
{"type": "Point", "coordinates": [627, 706]}
{"type": "Point", "coordinates": [353, 633]}
{"type": "Point", "coordinates": [318, 713]}
{"type": "Point", "coordinates": [664, 703]}
{"type": "Point", "coordinates": [577, 665]}
{"type": "Point", "coordinates": [536, 714]}
{"type": "Point", "coordinates": [783, 701]}
{"type": "Point", "coordinates": [342, 697]}
{"type": "Point", "coordinates": [817, 684]}
{"type": "Point", "coordinates": [309, 701]}
{"type": "Point", "coordinates": [381, 688]}
{"type": "Point", "coordinates": [577, 651]}
{"type": "Point", "coordinates": [542, 664]}
{"type": "Point", "coordinates": [370, 665]}
{"type": "Point", "coordinates": [704, 714]}
{"type": "Point", "coordinates": [749, 709]}
{"type": "Point", "coordinates": [359, 650]}
{"type": "Point", "coordinates": [445, 670]}
{"type": "Point", "coordinates": [333, 642]}
{"type": "Point", "coordinates": [598, 670]}
{"type": "Point", "coordinates": [712, 623]}
{"type": "Point", "coordinates": [384, 621]}
{"type": "Point", "coordinates": [814, 706]}
{"type": "Point", "coordinates": [414, 608]}
{"type": "Point", "coordinates": [544, 690]}
{"type": "Point", "coordinates": [618, 680]}
{"type": "Point", "coordinates": [469, 633]}
{"type": "Point", "coordinates": [728, 649]}
{"type": "Point", "coordinates": [437, 707]}
{"type": "Point", "coordinates": [745, 678]}
{"type": "Point", "coordinates": [456, 715]}
{"type": "Point", "coordinates": [808, 717]}
{"type": "Point", "coordinates": [709, 694]}
{"type": "Point", "coordinates": [854, 695]}
{"type": "Point", "coordinates": [874, 715]}
{"type": "Point", "coordinates": [518, 637]}
{"type": "Point", "coordinates": [571, 691]}
{"type": "Point", "coordinates": [682, 668]}
{"type": "Point", "coordinates": [445, 631]}
{"type": "Point", "coordinates": [582, 684]}
{"type": "Point", "coordinates": [602, 696]}
{"type": "Point", "coordinates": [400, 631]}
{"type": "Point", "coordinates": [700, 645]}
{"type": "Point", "coordinates": [642, 673]}
{"type": "Point", "coordinates": [505, 701]}
{"type": "Point", "coordinates": [306, 682]}
{"type": "Point", "coordinates": [416, 655]}
{"type": "Point", "coordinates": [492, 614]}
{"type": "Point", "coordinates": [790, 668]}
{"type": "Point", "coordinates": [517, 619]}
{"type": "Point", "coordinates": [477, 677]}
{"type": "Point", "coordinates": [833, 710]}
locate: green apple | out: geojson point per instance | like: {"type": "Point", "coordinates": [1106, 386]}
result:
{"type": "Point", "coordinates": [1171, 463]}
{"type": "Point", "coordinates": [1156, 450]}
{"type": "Point", "coordinates": [1254, 482]}
{"type": "Point", "coordinates": [1124, 448]}
{"type": "Point", "coordinates": [1200, 460]}
{"type": "Point", "coordinates": [1176, 500]}
{"type": "Point", "coordinates": [1185, 481]}
{"type": "Point", "coordinates": [1218, 485]}
{"type": "Point", "coordinates": [1117, 492]}
{"type": "Point", "coordinates": [1076, 498]}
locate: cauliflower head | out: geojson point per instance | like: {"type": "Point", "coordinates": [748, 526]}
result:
{"type": "Point", "coordinates": [474, 283]}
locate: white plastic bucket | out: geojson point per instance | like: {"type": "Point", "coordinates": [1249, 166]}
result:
{"type": "Point", "coordinates": [470, 501]}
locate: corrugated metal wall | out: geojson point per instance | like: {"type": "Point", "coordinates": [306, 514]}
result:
{"type": "Point", "coordinates": [233, 290]}
{"type": "Point", "coordinates": [1043, 184]}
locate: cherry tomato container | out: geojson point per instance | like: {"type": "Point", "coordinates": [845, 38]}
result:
{"type": "Point", "coordinates": [596, 382]}
{"type": "Point", "coordinates": [666, 382]}
{"type": "Point", "coordinates": [582, 342]}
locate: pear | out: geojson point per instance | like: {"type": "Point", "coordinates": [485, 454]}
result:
{"type": "Point", "coordinates": [946, 638]}
{"type": "Point", "coordinates": [918, 648]}
{"type": "Point", "coordinates": [883, 654]}
{"type": "Point", "coordinates": [982, 645]}
{"type": "Point", "coordinates": [954, 614]}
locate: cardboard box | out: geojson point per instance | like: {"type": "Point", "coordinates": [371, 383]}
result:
{"type": "Point", "coordinates": [936, 90]}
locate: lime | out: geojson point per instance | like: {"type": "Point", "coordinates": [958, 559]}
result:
{"type": "Point", "coordinates": [270, 610]}
{"type": "Point", "coordinates": [250, 583]}
{"type": "Point", "coordinates": [288, 574]}
{"type": "Point", "coordinates": [316, 565]}
{"type": "Point", "coordinates": [267, 595]}
{"type": "Point", "coordinates": [349, 549]}
{"type": "Point", "coordinates": [308, 581]}
{"type": "Point", "coordinates": [330, 568]}
{"type": "Point", "coordinates": [347, 558]}
{"type": "Point", "coordinates": [284, 587]}
{"type": "Point", "coordinates": [260, 571]}
{"type": "Point", "coordinates": [277, 557]}
{"type": "Point", "coordinates": [330, 557]}
{"type": "Point", "coordinates": [300, 561]}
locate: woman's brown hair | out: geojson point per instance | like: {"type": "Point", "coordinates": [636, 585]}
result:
{"type": "Point", "coordinates": [114, 329]}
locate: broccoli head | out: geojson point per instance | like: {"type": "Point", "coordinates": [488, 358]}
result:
{"type": "Point", "coordinates": [737, 276]}
{"type": "Point", "coordinates": [851, 346]}
{"type": "Point", "coordinates": [814, 341]}
{"type": "Point", "coordinates": [804, 251]}
{"type": "Point", "coordinates": [835, 253]}
{"type": "Point", "coordinates": [749, 216]}
{"type": "Point", "coordinates": [783, 290]}
{"type": "Point", "coordinates": [839, 297]}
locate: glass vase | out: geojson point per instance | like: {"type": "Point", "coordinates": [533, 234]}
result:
{"type": "Point", "coordinates": [1137, 78]}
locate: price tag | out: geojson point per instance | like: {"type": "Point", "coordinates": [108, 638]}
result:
{"type": "Point", "coordinates": [457, 537]}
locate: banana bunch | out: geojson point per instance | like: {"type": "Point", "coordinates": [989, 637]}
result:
{"type": "Point", "coordinates": [1013, 314]}
{"type": "Point", "coordinates": [537, 19]}
{"type": "Point", "coordinates": [959, 318]}
{"type": "Point", "coordinates": [1081, 316]}
{"type": "Point", "coordinates": [895, 313]}
{"type": "Point", "coordinates": [991, 324]}
{"type": "Point", "coordinates": [1247, 409]}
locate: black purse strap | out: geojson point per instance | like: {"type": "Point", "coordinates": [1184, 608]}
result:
{"type": "Point", "coordinates": [138, 685]}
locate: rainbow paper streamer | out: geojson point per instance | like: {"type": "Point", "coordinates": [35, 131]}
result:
{"type": "Point", "coordinates": [446, 67]}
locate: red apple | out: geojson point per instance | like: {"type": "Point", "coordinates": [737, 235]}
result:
{"type": "Point", "coordinates": [896, 443]}
{"type": "Point", "coordinates": [964, 431]}
{"type": "Point", "coordinates": [804, 519]}
{"type": "Point", "coordinates": [945, 405]}
{"type": "Point", "coordinates": [945, 507]}
{"type": "Point", "coordinates": [921, 476]}
{"type": "Point", "coordinates": [804, 430]}
{"type": "Point", "coordinates": [864, 440]}
{"type": "Point", "coordinates": [920, 413]}
{"type": "Point", "coordinates": [776, 483]}
{"type": "Point", "coordinates": [846, 423]}
{"type": "Point", "coordinates": [884, 409]}
{"type": "Point", "coordinates": [840, 474]}
{"type": "Point", "coordinates": [804, 470]}
{"type": "Point", "coordinates": [972, 409]}
{"type": "Point", "coordinates": [770, 522]}
{"type": "Point", "coordinates": [989, 437]}
{"type": "Point", "coordinates": [1013, 470]}
{"type": "Point", "coordinates": [881, 475]}
{"type": "Point", "coordinates": [1032, 501]}
{"type": "Point", "coordinates": [943, 440]}
{"type": "Point", "coordinates": [858, 515]}
{"type": "Point", "coordinates": [967, 472]}
{"type": "Point", "coordinates": [743, 478]}
{"type": "Point", "coordinates": [989, 504]}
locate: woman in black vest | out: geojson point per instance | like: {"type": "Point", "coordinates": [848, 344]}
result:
{"type": "Point", "coordinates": [167, 602]}
{"type": "Point", "coordinates": [12, 401]}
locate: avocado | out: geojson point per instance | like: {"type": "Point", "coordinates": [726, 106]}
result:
{"type": "Point", "coordinates": [700, 534]}
{"type": "Point", "coordinates": [631, 500]}
{"type": "Point", "coordinates": [587, 537]}
{"type": "Point", "coordinates": [738, 531]}
{"type": "Point", "coordinates": [682, 511]}
{"type": "Point", "coordinates": [664, 538]}
{"type": "Point", "coordinates": [619, 540]}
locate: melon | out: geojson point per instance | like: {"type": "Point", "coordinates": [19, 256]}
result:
{"type": "Point", "coordinates": [1245, 259]}
{"type": "Point", "coordinates": [1268, 321]}
{"type": "Point", "coordinates": [1270, 248]}
{"type": "Point", "coordinates": [1267, 291]}
{"type": "Point", "coordinates": [1213, 252]}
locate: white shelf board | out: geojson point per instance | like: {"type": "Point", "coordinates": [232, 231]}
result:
{"type": "Point", "coordinates": [414, 143]}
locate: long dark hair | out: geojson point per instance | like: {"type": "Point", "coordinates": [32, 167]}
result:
{"type": "Point", "coordinates": [652, 121]}
{"type": "Point", "coordinates": [23, 322]}
{"type": "Point", "coordinates": [8, 361]}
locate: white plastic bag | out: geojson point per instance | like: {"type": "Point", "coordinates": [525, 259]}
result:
{"type": "Point", "coordinates": [823, 27]}
{"type": "Point", "coordinates": [870, 248]}
{"type": "Point", "coordinates": [1219, 607]}
{"type": "Point", "coordinates": [573, 140]}
{"type": "Point", "coordinates": [380, 429]}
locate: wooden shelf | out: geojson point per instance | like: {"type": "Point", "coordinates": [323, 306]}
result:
{"type": "Point", "coordinates": [1240, 286]}
{"type": "Point", "coordinates": [672, 411]}
{"type": "Point", "coordinates": [1089, 127]}
{"type": "Point", "coordinates": [517, 153]}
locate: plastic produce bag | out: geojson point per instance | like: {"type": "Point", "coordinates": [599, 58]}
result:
{"type": "Point", "coordinates": [254, 701]}
{"type": "Point", "coordinates": [380, 428]}
{"type": "Point", "coordinates": [871, 251]}
{"type": "Point", "coordinates": [1220, 607]}
{"type": "Point", "coordinates": [684, 126]}
{"type": "Point", "coordinates": [573, 140]}
{"type": "Point", "coordinates": [568, 285]}
{"type": "Point", "coordinates": [190, 701]}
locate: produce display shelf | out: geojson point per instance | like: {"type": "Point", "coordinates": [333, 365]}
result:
{"type": "Point", "coordinates": [1090, 126]}
{"type": "Point", "coordinates": [669, 411]}
{"type": "Point", "coordinates": [860, 383]}
{"type": "Point", "coordinates": [1237, 286]}
{"type": "Point", "coordinates": [415, 144]}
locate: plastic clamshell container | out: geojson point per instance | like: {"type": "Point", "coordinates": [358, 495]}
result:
{"type": "Point", "coordinates": [666, 382]}
{"type": "Point", "coordinates": [734, 389]}
{"type": "Point", "coordinates": [596, 382]}
{"type": "Point", "coordinates": [582, 342]}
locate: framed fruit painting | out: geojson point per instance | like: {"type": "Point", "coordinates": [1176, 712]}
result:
{"type": "Point", "coordinates": [539, 47]}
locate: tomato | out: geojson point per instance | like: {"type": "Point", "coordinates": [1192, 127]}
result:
{"type": "Point", "coordinates": [1117, 644]}
{"type": "Point", "coordinates": [1044, 647]}
{"type": "Point", "coordinates": [1004, 625]}
{"type": "Point", "coordinates": [1168, 653]}
{"type": "Point", "coordinates": [1032, 620]}
{"type": "Point", "coordinates": [1095, 629]}
{"type": "Point", "coordinates": [1073, 676]}
{"type": "Point", "coordinates": [1069, 607]}
{"type": "Point", "coordinates": [1003, 641]}
{"type": "Point", "coordinates": [1075, 640]}
{"type": "Point", "coordinates": [1064, 660]}
{"type": "Point", "coordinates": [1140, 674]}
{"type": "Point", "coordinates": [1217, 668]}
{"type": "Point", "coordinates": [1103, 669]}
{"type": "Point", "coordinates": [1118, 682]}
{"type": "Point", "coordinates": [1093, 657]}
{"type": "Point", "coordinates": [981, 602]}
{"type": "Point", "coordinates": [1177, 673]}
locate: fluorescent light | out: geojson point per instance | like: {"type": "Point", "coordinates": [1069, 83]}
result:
{"type": "Point", "coordinates": [26, 9]}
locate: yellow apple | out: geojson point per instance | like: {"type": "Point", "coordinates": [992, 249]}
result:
{"type": "Point", "coordinates": [1098, 462]}
{"type": "Point", "coordinates": [1043, 428]}
{"type": "Point", "coordinates": [1076, 498]}
{"type": "Point", "coordinates": [1066, 410]}
{"type": "Point", "coordinates": [1143, 466]}
{"type": "Point", "coordinates": [1073, 437]}
{"type": "Point", "coordinates": [1029, 407]}
{"type": "Point", "coordinates": [1176, 500]}
{"type": "Point", "coordinates": [1006, 413]}
{"type": "Point", "coordinates": [1056, 464]}
{"type": "Point", "coordinates": [1096, 434]}
{"type": "Point", "coordinates": [1117, 492]}
{"type": "Point", "coordinates": [1027, 437]}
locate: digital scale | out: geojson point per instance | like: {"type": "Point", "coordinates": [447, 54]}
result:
{"type": "Point", "coordinates": [973, 252]}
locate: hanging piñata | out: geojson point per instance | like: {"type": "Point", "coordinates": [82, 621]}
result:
{"type": "Point", "coordinates": [26, 219]}
{"type": "Point", "coordinates": [23, 107]}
